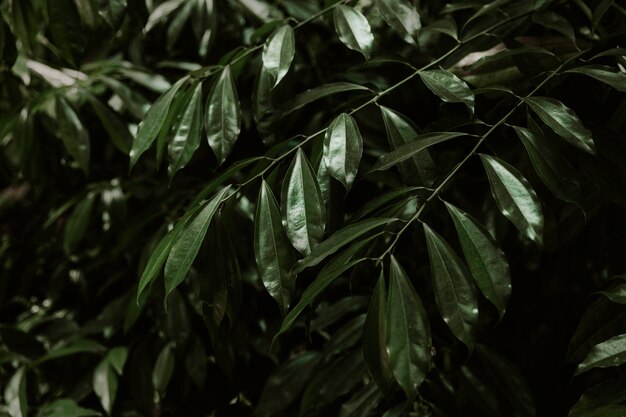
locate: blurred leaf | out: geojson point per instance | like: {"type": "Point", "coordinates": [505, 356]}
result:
{"type": "Point", "coordinates": [77, 224]}
{"type": "Point", "coordinates": [303, 209]}
{"type": "Point", "coordinates": [555, 22]}
{"type": "Point", "coordinates": [343, 148]}
{"type": "Point", "coordinates": [314, 94]}
{"type": "Point", "coordinates": [66, 408]}
{"type": "Point", "coordinates": [563, 121]}
{"type": "Point", "coordinates": [15, 394]}
{"type": "Point", "coordinates": [515, 198]}
{"type": "Point", "coordinates": [105, 385]}
{"type": "Point", "coordinates": [448, 87]}
{"type": "Point", "coordinates": [163, 369]}
{"type": "Point", "coordinates": [484, 257]}
{"type": "Point", "coordinates": [74, 135]}
{"type": "Point", "coordinates": [353, 30]}
{"type": "Point", "coordinates": [66, 29]}
{"type": "Point", "coordinates": [223, 117]}
{"type": "Point", "coordinates": [278, 53]}
{"type": "Point", "coordinates": [454, 292]}
{"type": "Point", "coordinates": [362, 403]}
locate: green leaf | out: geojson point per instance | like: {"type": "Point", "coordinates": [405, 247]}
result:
{"type": "Point", "coordinates": [515, 198]}
{"type": "Point", "coordinates": [448, 87]}
{"type": "Point", "coordinates": [402, 17]}
{"type": "Point", "coordinates": [555, 22]}
{"type": "Point", "coordinates": [223, 116]}
{"type": "Point", "coordinates": [375, 338]}
{"type": "Point", "coordinates": [77, 224]}
{"type": "Point", "coordinates": [278, 53]}
{"type": "Point", "coordinates": [117, 358]}
{"type": "Point", "coordinates": [187, 246]}
{"type": "Point", "coordinates": [15, 394]}
{"type": "Point", "coordinates": [408, 150]}
{"type": "Point", "coordinates": [163, 369]}
{"type": "Point", "coordinates": [484, 257]}
{"type": "Point", "coordinates": [603, 73]}
{"type": "Point", "coordinates": [420, 168]}
{"type": "Point", "coordinates": [186, 138]}
{"type": "Point", "coordinates": [177, 24]}
{"type": "Point", "coordinates": [73, 134]}
{"type": "Point", "coordinates": [607, 393]}
{"type": "Point", "coordinates": [105, 385]}
{"type": "Point", "coordinates": [66, 408]}
{"type": "Point", "coordinates": [65, 29]}
{"type": "Point", "coordinates": [408, 332]}
{"type": "Point", "coordinates": [303, 210]}
{"type": "Point", "coordinates": [314, 94]}
{"type": "Point", "coordinates": [381, 200]}
{"type": "Point", "coordinates": [338, 240]}
{"type": "Point", "coordinates": [363, 403]}
{"type": "Point", "coordinates": [161, 12]}
{"type": "Point", "coordinates": [563, 121]}
{"type": "Point", "coordinates": [115, 127]}
{"type": "Point", "coordinates": [609, 353]}
{"type": "Point", "coordinates": [152, 123]}
{"type": "Point", "coordinates": [343, 148]}
{"type": "Point", "coordinates": [73, 348]}
{"type": "Point", "coordinates": [353, 30]}
{"type": "Point", "coordinates": [551, 167]}
{"type": "Point", "coordinates": [455, 294]}
{"type": "Point", "coordinates": [272, 249]}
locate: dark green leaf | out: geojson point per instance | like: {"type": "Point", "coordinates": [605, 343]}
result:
{"type": "Point", "coordinates": [66, 408]}
{"type": "Point", "coordinates": [314, 94]}
{"type": "Point", "coordinates": [65, 28]}
{"type": "Point", "coordinates": [187, 246]}
{"type": "Point", "coordinates": [609, 353]}
{"type": "Point", "coordinates": [484, 257]}
{"type": "Point", "coordinates": [454, 292]}
{"type": "Point", "coordinates": [77, 224]}
{"type": "Point", "coordinates": [353, 30]}
{"type": "Point", "coordinates": [303, 209]}
{"type": "Point", "coordinates": [343, 148]}
{"type": "Point", "coordinates": [605, 394]}
{"type": "Point", "coordinates": [515, 198]}
{"type": "Point", "coordinates": [408, 332]}
{"type": "Point", "coordinates": [600, 11]}
{"type": "Point", "coordinates": [555, 22]}
{"type": "Point", "coordinates": [363, 403]}
{"type": "Point", "coordinates": [448, 87]}
{"type": "Point", "coordinates": [163, 369]}
{"type": "Point", "coordinates": [603, 73]}
{"type": "Point", "coordinates": [115, 127]}
{"type": "Point", "coordinates": [272, 249]}
{"type": "Point", "coordinates": [74, 135]}
{"type": "Point", "coordinates": [186, 136]}
{"type": "Point", "coordinates": [617, 294]}
{"type": "Point", "coordinates": [563, 121]}
{"type": "Point", "coordinates": [402, 17]}
{"type": "Point", "coordinates": [278, 53]}
{"type": "Point", "coordinates": [223, 116]}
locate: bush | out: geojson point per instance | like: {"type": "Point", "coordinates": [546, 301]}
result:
{"type": "Point", "coordinates": [312, 208]}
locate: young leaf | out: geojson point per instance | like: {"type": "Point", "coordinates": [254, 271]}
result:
{"type": "Point", "coordinates": [272, 249]}
{"type": "Point", "coordinates": [343, 147]}
{"type": "Point", "coordinates": [375, 338]}
{"type": "Point", "coordinates": [609, 353]}
{"type": "Point", "coordinates": [152, 123]}
{"type": "Point", "coordinates": [551, 167]}
{"type": "Point", "coordinates": [303, 209]}
{"type": "Point", "coordinates": [402, 17]}
{"type": "Point", "coordinates": [484, 257]}
{"type": "Point", "coordinates": [163, 369]}
{"type": "Point", "coordinates": [353, 30]}
{"type": "Point", "coordinates": [420, 168]}
{"type": "Point", "coordinates": [448, 87]}
{"type": "Point", "coordinates": [563, 121]}
{"type": "Point", "coordinates": [15, 394]}
{"type": "Point", "coordinates": [278, 52]}
{"type": "Point", "coordinates": [186, 138]}
{"type": "Point", "coordinates": [455, 294]}
{"type": "Point", "coordinates": [408, 150]}
{"type": "Point", "coordinates": [408, 332]}
{"type": "Point", "coordinates": [105, 385]}
{"type": "Point", "coordinates": [186, 247]}
{"type": "Point", "coordinates": [515, 198]}
{"type": "Point", "coordinates": [603, 73]}
{"type": "Point", "coordinates": [223, 116]}
{"type": "Point", "coordinates": [77, 223]}
{"type": "Point", "coordinates": [73, 134]}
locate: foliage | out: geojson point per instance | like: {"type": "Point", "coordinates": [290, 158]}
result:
{"type": "Point", "coordinates": [312, 208]}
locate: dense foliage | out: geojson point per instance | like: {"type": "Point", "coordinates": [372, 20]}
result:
{"type": "Point", "coordinates": [312, 208]}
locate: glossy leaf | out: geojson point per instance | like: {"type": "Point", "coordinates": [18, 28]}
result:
{"type": "Point", "coordinates": [353, 30]}
{"type": "Point", "coordinates": [375, 338]}
{"type": "Point", "coordinates": [74, 135]}
{"type": "Point", "coordinates": [223, 116]}
{"type": "Point", "coordinates": [448, 87]}
{"type": "Point", "coordinates": [563, 121]}
{"type": "Point", "coordinates": [402, 17]}
{"type": "Point", "coordinates": [408, 150]}
{"type": "Point", "coordinates": [515, 198]}
{"type": "Point", "coordinates": [152, 123]}
{"type": "Point", "coordinates": [317, 93]}
{"type": "Point", "coordinates": [343, 148]}
{"type": "Point", "coordinates": [609, 353]}
{"type": "Point", "coordinates": [408, 332]}
{"type": "Point", "coordinates": [454, 292]}
{"type": "Point", "coordinates": [186, 136]}
{"type": "Point", "coordinates": [187, 246]}
{"type": "Point", "coordinates": [484, 257]}
{"type": "Point", "coordinates": [303, 209]}
{"type": "Point", "coordinates": [278, 53]}
{"type": "Point", "coordinates": [605, 74]}
{"type": "Point", "coordinates": [272, 249]}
